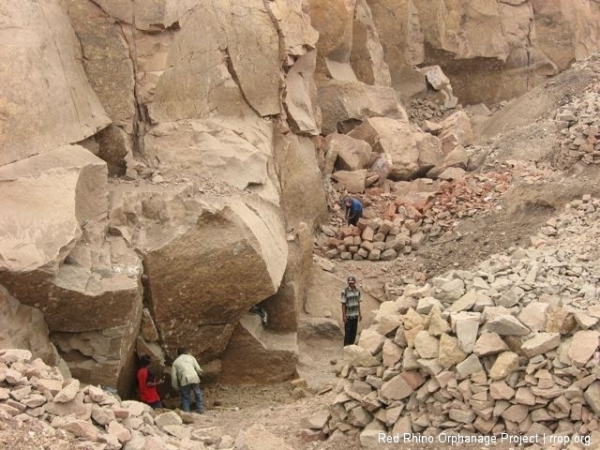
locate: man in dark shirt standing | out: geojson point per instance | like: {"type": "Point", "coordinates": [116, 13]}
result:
{"type": "Point", "coordinates": [351, 314]}
{"type": "Point", "coordinates": [354, 210]}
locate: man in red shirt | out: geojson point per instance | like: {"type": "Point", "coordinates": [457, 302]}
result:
{"type": "Point", "coordinates": [147, 384]}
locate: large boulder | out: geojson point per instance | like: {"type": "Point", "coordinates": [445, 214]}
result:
{"type": "Point", "coordinates": [341, 101]}
{"type": "Point", "coordinates": [49, 104]}
{"type": "Point", "coordinates": [256, 354]}
{"type": "Point", "coordinates": [208, 260]}
{"type": "Point", "coordinates": [408, 149]}
{"type": "Point", "coordinates": [352, 154]}
{"type": "Point", "coordinates": [237, 153]}
{"type": "Point", "coordinates": [56, 256]}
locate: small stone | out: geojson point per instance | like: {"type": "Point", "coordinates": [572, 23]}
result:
{"type": "Point", "coordinates": [506, 363]}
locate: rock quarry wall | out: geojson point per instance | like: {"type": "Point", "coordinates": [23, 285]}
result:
{"type": "Point", "coordinates": [161, 162]}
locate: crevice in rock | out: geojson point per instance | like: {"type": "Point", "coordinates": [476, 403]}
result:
{"type": "Point", "coordinates": [235, 78]}
{"type": "Point", "coordinates": [141, 119]}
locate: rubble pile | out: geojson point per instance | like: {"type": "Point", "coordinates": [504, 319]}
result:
{"type": "Point", "coordinates": [579, 124]}
{"type": "Point", "coordinates": [398, 223]}
{"type": "Point", "coordinates": [32, 392]}
{"type": "Point", "coordinates": [510, 347]}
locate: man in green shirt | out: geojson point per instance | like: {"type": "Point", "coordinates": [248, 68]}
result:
{"type": "Point", "coordinates": [185, 377]}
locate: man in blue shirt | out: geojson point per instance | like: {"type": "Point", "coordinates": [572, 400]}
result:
{"type": "Point", "coordinates": [353, 210]}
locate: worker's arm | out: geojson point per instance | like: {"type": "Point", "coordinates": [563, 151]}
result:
{"type": "Point", "coordinates": [344, 312]}
{"type": "Point", "coordinates": [174, 380]}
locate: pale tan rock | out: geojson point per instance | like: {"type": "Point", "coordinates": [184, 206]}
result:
{"type": "Point", "coordinates": [462, 416]}
{"type": "Point", "coordinates": [316, 421]}
{"type": "Point", "coordinates": [102, 416]}
{"type": "Point", "coordinates": [534, 315]}
{"type": "Point", "coordinates": [66, 109]}
{"type": "Point", "coordinates": [540, 343]}
{"type": "Point", "coordinates": [592, 396]}
{"type": "Point", "coordinates": [76, 408]}
{"type": "Point", "coordinates": [505, 364]}
{"type": "Point", "coordinates": [524, 396]}
{"type": "Point", "coordinates": [499, 390]}
{"type": "Point", "coordinates": [391, 353]}
{"type": "Point", "coordinates": [559, 320]}
{"type": "Point", "coordinates": [395, 389]}
{"type": "Point", "coordinates": [256, 354]}
{"type": "Point", "coordinates": [353, 154]}
{"type": "Point", "coordinates": [507, 325]}
{"type": "Point", "coordinates": [457, 157]}
{"type": "Point", "coordinates": [344, 100]}
{"type": "Point", "coordinates": [81, 429]}
{"type": "Point", "coordinates": [489, 344]}
{"type": "Point", "coordinates": [466, 332]}
{"type": "Point", "coordinates": [426, 345]}
{"type": "Point", "coordinates": [119, 431]}
{"type": "Point", "coordinates": [402, 144]}
{"type": "Point", "coordinates": [471, 365]}
{"type": "Point", "coordinates": [301, 94]}
{"type": "Point", "coordinates": [371, 341]}
{"type": "Point", "coordinates": [456, 131]}
{"type": "Point", "coordinates": [583, 346]}
{"type": "Point", "coordinates": [437, 325]}
{"type": "Point", "coordinates": [68, 392]}
{"type": "Point", "coordinates": [450, 352]}
{"type": "Point", "coordinates": [516, 413]}
{"type": "Point", "coordinates": [359, 357]}
{"type": "Point", "coordinates": [353, 182]}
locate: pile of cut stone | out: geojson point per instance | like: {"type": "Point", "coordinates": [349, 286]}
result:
{"type": "Point", "coordinates": [511, 347]}
{"type": "Point", "coordinates": [579, 123]}
{"type": "Point", "coordinates": [31, 391]}
{"type": "Point", "coordinates": [417, 215]}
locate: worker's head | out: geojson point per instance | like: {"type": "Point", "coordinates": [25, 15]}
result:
{"type": "Point", "coordinates": [145, 360]}
{"type": "Point", "coordinates": [347, 201]}
{"type": "Point", "coordinates": [351, 281]}
{"type": "Point", "coordinates": [181, 351]}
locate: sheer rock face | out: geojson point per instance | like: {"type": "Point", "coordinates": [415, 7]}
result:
{"type": "Point", "coordinates": [45, 99]}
